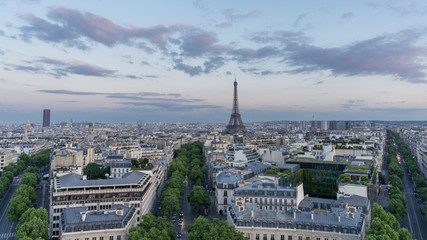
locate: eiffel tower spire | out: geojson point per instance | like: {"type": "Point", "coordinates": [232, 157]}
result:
{"type": "Point", "coordinates": [235, 125]}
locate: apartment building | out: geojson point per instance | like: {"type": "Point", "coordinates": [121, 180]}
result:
{"type": "Point", "coordinates": [135, 188]}
{"type": "Point", "coordinates": [79, 223]}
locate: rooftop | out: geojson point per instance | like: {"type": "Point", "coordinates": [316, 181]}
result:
{"type": "Point", "coordinates": [73, 180]}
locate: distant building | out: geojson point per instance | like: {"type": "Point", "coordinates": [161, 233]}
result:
{"type": "Point", "coordinates": [119, 168]}
{"type": "Point", "coordinates": [46, 118]}
{"type": "Point", "coordinates": [235, 125]}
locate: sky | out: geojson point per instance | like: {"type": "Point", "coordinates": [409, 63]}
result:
{"type": "Point", "coordinates": [176, 61]}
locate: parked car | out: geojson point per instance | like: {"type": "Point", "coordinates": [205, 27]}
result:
{"type": "Point", "coordinates": [180, 223]}
{"type": "Point", "coordinates": [178, 234]}
{"type": "Point", "coordinates": [416, 195]}
{"type": "Point", "coordinates": [420, 201]}
{"type": "Point", "coordinates": [173, 219]}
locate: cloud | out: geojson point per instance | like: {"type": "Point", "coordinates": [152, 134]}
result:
{"type": "Point", "coordinates": [393, 55]}
{"type": "Point", "coordinates": [347, 16]}
{"type": "Point", "coordinates": [1, 52]}
{"type": "Point", "coordinates": [299, 20]}
{"type": "Point", "coordinates": [232, 15]}
{"type": "Point", "coordinates": [70, 26]}
{"type": "Point", "coordinates": [201, 5]}
{"type": "Point", "coordinates": [64, 68]}
{"type": "Point", "coordinates": [33, 69]}
{"type": "Point", "coordinates": [68, 92]}
{"type": "Point", "coordinates": [172, 106]}
{"type": "Point", "coordinates": [133, 76]}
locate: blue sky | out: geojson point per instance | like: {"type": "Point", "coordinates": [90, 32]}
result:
{"type": "Point", "coordinates": [168, 61]}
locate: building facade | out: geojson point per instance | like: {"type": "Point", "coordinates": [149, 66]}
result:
{"type": "Point", "coordinates": [72, 190]}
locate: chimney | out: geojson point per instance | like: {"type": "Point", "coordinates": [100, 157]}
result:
{"type": "Point", "coordinates": [252, 212]}
{"type": "Point", "coordinates": [119, 211]}
{"type": "Point", "coordinates": [312, 214]}
{"type": "Point", "coordinates": [83, 216]}
{"type": "Point", "coordinates": [84, 177]}
{"type": "Point", "coordinates": [295, 214]}
{"type": "Point", "coordinates": [339, 217]}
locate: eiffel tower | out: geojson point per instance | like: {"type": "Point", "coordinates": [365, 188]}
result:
{"type": "Point", "coordinates": [235, 125]}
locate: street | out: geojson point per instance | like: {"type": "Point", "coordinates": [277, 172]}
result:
{"type": "Point", "coordinates": [414, 221]}
{"type": "Point", "coordinates": [7, 229]}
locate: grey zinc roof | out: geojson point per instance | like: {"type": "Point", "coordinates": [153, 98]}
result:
{"type": "Point", "coordinates": [74, 216]}
{"type": "Point", "coordinates": [302, 217]}
{"type": "Point", "coordinates": [228, 177]}
{"type": "Point", "coordinates": [257, 166]}
{"type": "Point", "coordinates": [121, 164]}
{"type": "Point", "coordinates": [73, 180]}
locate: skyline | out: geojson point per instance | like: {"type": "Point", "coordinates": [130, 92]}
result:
{"type": "Point", "coordinates": [176, 62]}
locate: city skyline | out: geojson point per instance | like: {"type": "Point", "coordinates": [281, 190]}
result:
{"type": "Point", "coordinates": [171, 62]}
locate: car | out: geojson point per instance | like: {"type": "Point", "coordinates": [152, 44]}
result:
{"type": "Point", "coordinates": [420, 201]}
{"type": "Point", "coordinates": [416, 195]}
{"type": "Point", "coordinates": [178, 234]}
{"type": "Point", "coordinates": [181, 214]}
{"type": "Point", "coordinates": [173, 219]}
{"type": "Point", "coordinates": [180, 223]}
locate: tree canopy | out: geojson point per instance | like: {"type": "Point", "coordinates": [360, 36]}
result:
{"type": "Point", "coordinates": [217, 230]}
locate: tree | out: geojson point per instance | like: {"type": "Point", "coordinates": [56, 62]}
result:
{"type": "Point", "coordinates": [30, 179]}
{"type": "Point", "coordinates": [202, 229]}
{"type": "Point", "coordinates": [18, 205]}
{"type": "Point", "coordinates": [151, 228]}
{"type": "Point", "coordinates": [396, 182]}
{"type": "Point", "coordinates": [25, 158]}
{"type": "Point", "coordinates": [196, 173]}
{"type": "Point", "coordinates": [198, 197]}
{"type": "Point", "coordinates": [171, 203]}
{"type": "Point", "coordinates": [93, 171]}
{"type": "Point", "coordinates": [27, 191]}
{"type": "Point", "coordinates": [197, 230]}
{"type": "Point", "coordinates": [397, 208]}
{"type": "Point", "coordinates": [33, 224]}
{"type": "Point", "coordinates": [404, 234]}
{"type": "Point", "coordinates": [31, 170]}
{"type": "Point", "coordinates": [8, 175]}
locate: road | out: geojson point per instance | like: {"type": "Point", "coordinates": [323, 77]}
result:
{"type": "Point", "coordinates": [414, 221]}
{"type": "Point", "coordinates": [7, 229]}
{"type": "Point", "coordinates": [190, 213]}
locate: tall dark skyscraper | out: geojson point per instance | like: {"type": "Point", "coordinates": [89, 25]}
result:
{"type": "Point", "coordinates": [235, 125]}
{"type": "Point", "coordinates": [46, 118]}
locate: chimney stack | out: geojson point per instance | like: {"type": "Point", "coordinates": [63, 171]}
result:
{"type": "Point", "coordinates": [119, 211]}
{"type": "Point", "coordinates": [295, 214]}
{"type": "Point", "coordinates": [339, 217]}
{"type": "Point", "coordinates": [312, 214]}
{"type": "Point", "coordinates": [252, 212]}
{"type": "Point", "coordinates": [83, 216]}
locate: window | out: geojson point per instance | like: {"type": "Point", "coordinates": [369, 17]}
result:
{"type": "Point", "coordinates": [317, 238]}
{"type": "Point", "coordinates": [272, 237]}
{"type": "Point", "coordinates": [225, 193]}
{"type": "Point", "coordinates": [282, 237]}
{"type": "Point", "coordinates": [111, 237]}
{"type": "Point", "coordinates": [264, 237]}
{"type": "Point", "coordinates": [299, 237]}
{"type": "Point", "coordinates": [289, 237]}
{"type": "Point", "coordinates": [86, 238]}
{"type": "Point", "coordinates": [119, 237]}
{"type": "Point", "coordinates": [225, 201]}
{"type": "Point", "coordinates": [248, 236]}
{"type": "Point", "coordinates": [94, 238]}
{"type": "Point", "coordinates": [307, 238]}
{"type": "Point", "coordinates": [101, 238]}
{"type": "Point", "coordinates": [257, 236]}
